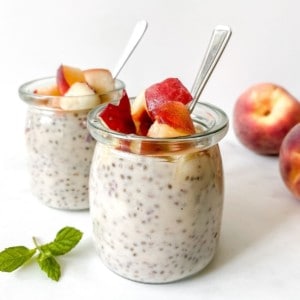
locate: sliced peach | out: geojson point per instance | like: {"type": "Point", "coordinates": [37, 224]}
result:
{"type": "Point", "coordinates": [100, 80]}
{"type": "Point", "coordinates": [172, 119]}
{"type": "Point", "coordinates": [138, 106]}
{"type": "Point", "coordinates": [51, 91]}
{"type": "Point", "coordinates": [140, 115]}
{"type": "Point", "coordinates": [118, 117]}
{"type": "Point", "coordinates": [170, 89]}
{"type": "Point", "coordinates": [47, 90]}
{"type": "Point", "coordinates": [79, 96]}
{"type": "Point", "coordinates": [66, 76]}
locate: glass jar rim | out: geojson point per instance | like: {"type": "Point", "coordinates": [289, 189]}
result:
{"type": "Point", "coordinates": [218, 127]}
{"type": "Point", "coordinates": [27, 94]}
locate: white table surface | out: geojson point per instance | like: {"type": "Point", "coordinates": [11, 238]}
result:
{"type": "Point", "coordinates": [259, 251]}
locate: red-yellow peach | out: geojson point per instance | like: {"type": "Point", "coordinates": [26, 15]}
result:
{"type": "Point", "coordinates": [67, 76]}
{"type": "Point", "coordinates": [47, 90]}
{"type": "Point", "coordinates": [79, 96]}
{"type": "Point", "coordinates": [170, 89]}
{"type": "Point", "coordinates": [263, 115]}
{"type": "Point", "coordinates": [172, 119]}
{"type": "Point", "coordinates": [140, 114]}
{"type": "Point", "coordinates": [100, 80]}
{"type": "Point", "coordinates": [289, 160]}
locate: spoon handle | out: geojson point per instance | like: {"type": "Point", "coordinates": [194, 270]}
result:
{"type": "Point", "coordinates": [136, 36]}
{"type": "Point", "coordinates": [217, 44]}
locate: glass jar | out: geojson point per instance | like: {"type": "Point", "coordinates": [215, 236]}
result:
{"type": "Point", "coordinates": [156, 204]}
{"type": "Point", "coordinates": [59, 146]}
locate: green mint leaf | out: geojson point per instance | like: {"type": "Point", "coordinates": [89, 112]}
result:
{"type": "Point", "coordinates": [50, 266]}
{"type": "Point", "coordinates": [14, 257]}
{"type": "Point", "coordinates": [66, 239]}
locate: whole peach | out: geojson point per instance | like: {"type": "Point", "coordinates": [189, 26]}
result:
{"type": "Point", "coordinates": [289, 160]}
{"type": "Point", "coordinates": [263, 115]}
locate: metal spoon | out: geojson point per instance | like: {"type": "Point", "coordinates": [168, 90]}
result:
{"type": "Point", "coordinates": [217, 44]}
{"type": "Point", "coordinates": [136, 36]}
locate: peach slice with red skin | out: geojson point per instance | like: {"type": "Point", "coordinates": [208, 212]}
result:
{"type": "Point", "coordinates": [145, 104]}
{"type": "Point", "coordinates": [118, 117]}
{"type": "Point", "coordinates": [169, 118]}
{"type": "Point", "coordinates": [100, 80]}
{"type": "Point", "coordinates": [79, 89]}
{"type": "Point", "coordinates": [67, 76]}
{"type": "Point", "coordinates": [144, 124]}
{"type": "Point", "coordinates": [172, 119]}
{"type": "Point", "coordinates": [170, 89]}
{"type": "Point", "coordinates": [140, 115]}
{"type": "Point", "coordinates": [289, 160]}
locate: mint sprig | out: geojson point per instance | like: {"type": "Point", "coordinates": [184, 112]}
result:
{"type": "Point", "coordinates": [66, 239]}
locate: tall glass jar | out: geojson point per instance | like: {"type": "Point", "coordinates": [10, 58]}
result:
{"type": "Point", "coordinates": [59, 146]}
{"type": "Point", "coordinates": [156, 204]}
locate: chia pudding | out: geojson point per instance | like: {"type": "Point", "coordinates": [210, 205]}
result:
{"type": "Point", "coordinates": [156, 217]}
{"type": "Point", "coordinates": [59, 150]}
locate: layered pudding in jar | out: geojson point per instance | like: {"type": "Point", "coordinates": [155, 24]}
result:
{"type": "Point", "coordinates": [156, 184]}
{"type": "Point", "coordinates": [59, 146]}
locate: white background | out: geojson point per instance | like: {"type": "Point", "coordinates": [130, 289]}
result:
{"type": "Point", "coordinates": [259, 251]}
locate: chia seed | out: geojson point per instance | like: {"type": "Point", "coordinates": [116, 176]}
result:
{"type": "Point", "coordinates": [170, 232]}
{"type": "Point", "coordinates": [60, 151]}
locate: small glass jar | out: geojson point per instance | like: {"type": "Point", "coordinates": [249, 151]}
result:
{"type": "Point", "coordinates": [59, 146]}
{"type": "Point", "coordinates": [156, 204]}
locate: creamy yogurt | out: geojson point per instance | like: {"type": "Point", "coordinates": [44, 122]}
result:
{"type": "Point", "coordinates": [60, 150]}
{"type": "Point", "coordinates": [156, 204]}
{"type": "Point", "coordinates": [59, 145]}
{"type": "Point", "coordinates": [156, 219]}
